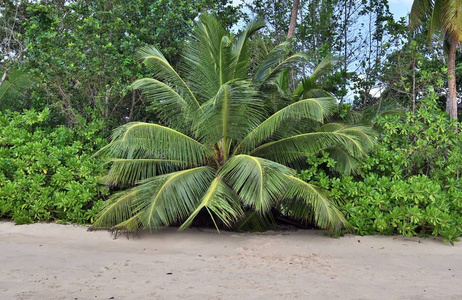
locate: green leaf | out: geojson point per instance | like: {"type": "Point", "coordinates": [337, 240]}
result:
{"type": "Point", "coordinates": [258, 182]}
{"type": "Point", "coordinates": [311, 203]}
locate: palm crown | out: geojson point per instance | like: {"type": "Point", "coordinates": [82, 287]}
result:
{"type": "Point", "coordinates": [224, 151]}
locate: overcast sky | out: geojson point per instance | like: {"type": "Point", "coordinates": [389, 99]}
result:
{"type": "Point", "coordinates": [400, 8]}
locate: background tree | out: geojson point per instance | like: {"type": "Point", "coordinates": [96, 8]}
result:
{"type": "Point", "coordinates": [358, 32]}
{"type": "Point", "coordinates": [12, 44]}
{"type": "Point", "coordinates": [82, 53]}
{"type": "Point", "coordinates": [445, 16]}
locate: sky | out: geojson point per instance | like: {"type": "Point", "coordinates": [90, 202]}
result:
{"type": "Point", "coordinates": [400, 8]}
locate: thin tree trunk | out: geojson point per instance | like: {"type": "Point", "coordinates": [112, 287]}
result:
{"type": "Point", "coordinates": [293, 19]}
{"type": "Point", "coordinates": [414, 107]}
{"type": "Point", "coordinates": [451, 104]}
{"type": "Point", "coordinates": [5, 73]}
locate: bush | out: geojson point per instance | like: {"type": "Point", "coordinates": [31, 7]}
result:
{"type": "Point", "coordinates": [47, 174]}
{"type": "Point", "coordinates": [409, 185]}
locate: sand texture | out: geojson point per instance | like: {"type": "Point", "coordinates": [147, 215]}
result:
{"type": "Point", "coordinates": [49, 261]}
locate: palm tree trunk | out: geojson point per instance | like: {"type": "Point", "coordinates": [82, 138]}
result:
{"type": "Point", "coordinates": [451, 104]}
{"type": "Point", "coordinates": [293, 19]}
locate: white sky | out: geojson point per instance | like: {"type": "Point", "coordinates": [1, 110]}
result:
{"type": "Point", "coordinates": [400, 8]}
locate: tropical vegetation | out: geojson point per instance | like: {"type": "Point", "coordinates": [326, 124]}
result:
{"type": "Point", "coordinates": [224, 152]}
{"type": "Point", "coordinates": [105, 103]}
{"type": "Point", "coordinates": [46, 172]}
{"type": "Point", "coordinates": [445, 16]}
{"type": "Point", "coordinates": [410, 184]}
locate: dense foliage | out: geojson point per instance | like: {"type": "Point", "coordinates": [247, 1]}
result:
{"type": "Point", "coordinates": [82, 53]}
{"type": "Point", "coordinates": [411, 182]}
{"type": "Point", "coordinates": [66, 69]}
{"type": "Point", "coordinates": [46, 173]}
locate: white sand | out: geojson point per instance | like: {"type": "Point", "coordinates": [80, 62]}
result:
{"type": "Point", "coordinates": [48, 261]}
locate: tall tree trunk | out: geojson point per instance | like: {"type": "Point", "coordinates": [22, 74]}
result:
{"type": "Point", "coordinates": [451, 104]}
{"type": "Point", "coordinates": [293, 19]}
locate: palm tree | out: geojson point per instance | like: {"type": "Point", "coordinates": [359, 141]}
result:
{"type": "Point", "coordinates": [445, 16]}
{"type": "Point", "coordinates": [223, 152]}
{"type": "Point", "coordinates": [14, 84]}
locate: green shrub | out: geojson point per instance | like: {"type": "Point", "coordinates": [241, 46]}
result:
{"type": "Point", "coordinates": [409, 185]}
{"type": "Point", "coordinates": [47, 174]}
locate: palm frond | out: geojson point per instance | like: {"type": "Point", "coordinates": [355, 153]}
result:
{"type": "Point", "coordinates": [202, 57]}
{"type": "Point", "coordinates": [258, 182]}
{"type": "Point", "coordinates": [314, 92]}
{"type": "Point", "coordinates": [450, 16]}
{"type": "Point", "coordinates": [16, 84]}
{"type": "Point", "coordinates": [419, 10]}
{"type": "Point", "coordinates": [131, 224]}
{"type": "Point", "coordinates": [171, 198]}
{"type": "Point", "coordinates": [158, 201]}
{"type": "Point", "coordinates": [315, 109]}
{"type": "Point", "coordinates": [162, 70]}
{"type": "Point", "coordinates": [227, 61]}
{"type": "Point", "coordinates": [344, 162]}
{"type": "Point", "coordinates": [309, 87]}
{"type": "Point", "coordinates": [311, 203]}
{"type": "Point", "coordinates": [171, 107]}
{"type": "Point", "coordinates": [129, 171]}
{"type": "Point", "coordinates": [364, 135]}
{"type": "Point", "coordinates": [254, 221]}
{"type": "Point", "coordinates": [231, 114]}
{"type": "Point", "coordinates": [435, 18]}
{"type": "Point", "coordinates": [291, 149]}
{"type": "Point", "coordinates": [273, 73]}
{"type": "Point", "coordinates": [325, 66]}
{"type": "Point", "coordinates": [116, 210]}
{"type": "Point", "coordinates": [274, 57]}
{"type": "Point", "coordinates": [151, 141]}
{"type": "Point", "coordinates": [241, 48]}
{"type": "Point", "coordinates": [220, 201]}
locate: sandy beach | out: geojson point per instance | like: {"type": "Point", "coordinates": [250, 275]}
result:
{"type": "Point", "coordinates": [50, 261]}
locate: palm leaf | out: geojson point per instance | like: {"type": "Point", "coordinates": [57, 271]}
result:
{"type": "Point", "coordinates": [231, 114]}
{"type": "Point", "coordinates": [364, 137]}
{"type": "Point", "coordinates": [220, 201]}
{"type": "Point", "coordinates": [293, 148]}
{"type": "Point", "coordinates": [344, 162]}
{"type": "Point", "coordinates": [162, 69]}
{"type": "Point", "coordinates": [202, 57]}
{"type": "Point", "coordinates": [241, 48]}
{"type": "Point", "coordinates": [450, 16]}
{"type": "Point", "coordinates": [116, 210]}
{"type": "Point", "coordinates": [16, 84]}
{"type": "Point", "coordinates": [129, 171]}
{"type": "Point", "coordinates": [171, 107]}
{"type": "Point", "coordinates": [170, 198]}
{"type": "Point", "coordinates": [274, 57]}
{"type": "Point", "coordinates": [311, 203]}
{"type": "Point", "coordinates": [325, 66]}
{"type": "Point", "coordinates": [151, 141]}
{"type": "Point", "coordinates": [314, 109]}
{"type": "Point", "coordinates": [272, 74]}
{"type": "Point", "coordinates": [419, 10]}
{"type": "Point", "coordinates": [435, 18]}
{"type": "Point", "coordinates": [259, 182]}
{"type": "Point", "coordinates": [255, 221]}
